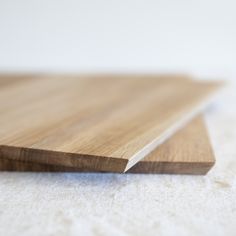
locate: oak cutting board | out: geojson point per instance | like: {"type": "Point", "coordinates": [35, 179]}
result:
{"type": "Point", "coordinates": [186, 152]}
{"type": "Point", "coordinates": [105, 123]}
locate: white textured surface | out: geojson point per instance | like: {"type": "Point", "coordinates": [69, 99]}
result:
{"type": "Point", "coordinates": [113, 204]}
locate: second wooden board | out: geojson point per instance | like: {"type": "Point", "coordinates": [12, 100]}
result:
{"type": "Point", "coordinates": [103, 123]}
{"type": "Point", "coordinates": [187, 152]}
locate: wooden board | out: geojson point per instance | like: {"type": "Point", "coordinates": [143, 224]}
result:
{"type": "Point", "coordinates": [105, 123]}
{"type": "Point", "coordinates": [187, 152]}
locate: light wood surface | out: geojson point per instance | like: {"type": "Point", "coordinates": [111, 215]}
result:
{"type": "Point", "coordinates": [187, 152]}
{"type": "Point", "coordinates": [105, 123]}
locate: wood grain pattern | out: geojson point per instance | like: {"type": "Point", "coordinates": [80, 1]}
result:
{"type": "Point", "coordinates": [14, 79]}
{"type": "Point", "coordinates": [105, 123]}
{"type": "Point", "coordinates": [187, 152]}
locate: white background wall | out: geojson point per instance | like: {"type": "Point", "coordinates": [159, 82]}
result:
{"type": "Point", "coordinates": [125, 35]}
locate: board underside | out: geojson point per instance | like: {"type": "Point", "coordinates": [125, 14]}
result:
{"type": "Point", "coordinates": [97, 123]}
{"type": "Point", "coordinates": [187, 152]}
